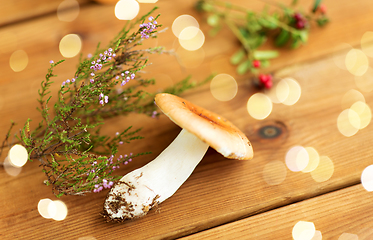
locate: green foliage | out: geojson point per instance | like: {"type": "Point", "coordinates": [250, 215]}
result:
{"type": "Point", "coordinates": [75, 156]}
{"type": "Point", "coordinates": [253, 29]}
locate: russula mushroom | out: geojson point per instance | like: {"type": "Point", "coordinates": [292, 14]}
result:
{"type": "Point", "coordinates": [140, 190]}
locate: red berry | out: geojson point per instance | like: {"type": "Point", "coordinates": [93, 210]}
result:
{"type": "Point", "coordinates": [300, 24]}
{"type": "Point", "coordinates": [268, 84]}
{"type": "Point", "coordinates": [298, 16]}
{"type": "Point", "coordinates": [256, 64]}
{"type": "Point", "coordinates": [263, 78]}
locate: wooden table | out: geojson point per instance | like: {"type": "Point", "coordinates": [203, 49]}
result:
{"type": "Point", "coordinates": [223, 199]}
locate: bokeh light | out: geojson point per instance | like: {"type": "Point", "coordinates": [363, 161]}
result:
{"type": "Point", "coordinates": [190, 59]}
{"type": "Point", "coordinates": [366, 43]}
{"type": "Point", "coordinates": [282, 90]}
{"type": "Point", "coordinates": [56, 210]}
{"type": "Point", "coordinates": [18, 155]}
{"type": "Point", "coordinates": [70, 45]}
{"type": "Point", "coordinates": [18, 60]}
{"type": "Point", "coordinates": [259, 106]}
{"type": "Point", "coordinates": [295, 92]}
{"type": "Point", "coordinates": [367, 178]}
{"type": "Point", "coordinates": [126, 9]}
{"type": "Point", "coordinates": [324, 170]}
{"type": "Point", "coordinates": [356, 62]}
{"type": "Point", "coordinates": [44, 209]}
{"type": "Point", "coordinates": [10, 169]}
{"type": "Point", "coordinates": [303, 230]}
{"type": "Point", "coordinates": [313, 159]}
{"type": "Point", "coordinates": [68, 10]}
{"type": "Point", "coordinates": [182, 22]}
{"type": "Point", "coordinates": [274, 172]}
{"type": "Point", "coordinates": [350, 97]}
{"type": "Point", "coordinates": [223, 87]}
{"type": "Point", "coordinates": [317, 236]}
{"type": "Point", "coordinates": [348, 122]}
{"type": "Point", "coordinates": [61, 210]}
{"type": "Point", "coordinates": [365, 82]}
{"type": "Point", "coordinates": [297, 158]}
{"type": "Point", "coordinates": [364, 112]}
{"type": "Point", "coordinates": [191, 38]}
{"type": "Point", "coordinates": [348, 236]}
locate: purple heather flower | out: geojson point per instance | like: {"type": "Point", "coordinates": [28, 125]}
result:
{"type": "Point", "coordinates": [122, 74]}
{"type": "Point", "coordinates": [151, 18]}
{"type": "Point", "coordinates": [92, 74]}
{"type": "Point", "coordinates": [89, 55]}
{"type": "Point", "coordinates": [126, 72]}
{"type": "Point", "coordinates": [125, 163]}
{"type": "Point", "coordinates": [133, 76]}
{"type": "Point", "coordinates": [51, 61]}
{"type": "Point", "coordinates": [102, 102]}
{"type": "Point", "coordinates": [114, 55]}
{"type": "Point", "coordinates": [91, 80]}
{"type": "Point", "coordinates": [117, 133]}
{"type": "Point", "coordinates": [117, 77]}
{"type": "Point", "coordinates": [120, 142]}
{"type": "Point", "coordinates": [68, 81]}
{"type": "Point", "coordinates": [63, 83]}
{"type": "Point", "coordinates": [73, 80]}
{"type": "Point", "coordinates": [123, 83]}
{"type": "Point", "coordinates": [93, 62]}
{"type": "Point", "coordinates": [110, 49]}
{"type": "Point", "coordinates": [155, 22]}
{"type": "Point", "coordinates": [106, 99]}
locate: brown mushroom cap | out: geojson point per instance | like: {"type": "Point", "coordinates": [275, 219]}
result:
{"type": "Point", "coordinates": [211, 128]}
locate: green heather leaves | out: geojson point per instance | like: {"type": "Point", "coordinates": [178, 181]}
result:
{"type": "Point", "coordinates": [287, 27]}
{"type": "Point", "coordinates": [76, 157]}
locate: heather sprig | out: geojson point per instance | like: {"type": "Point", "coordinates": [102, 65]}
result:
{"type": "Point", "coordinates": [287, 26]}
{"type": "Point", "coordinates": [73, 153]}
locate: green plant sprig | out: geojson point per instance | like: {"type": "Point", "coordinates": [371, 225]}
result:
{"type": "Point", "coordinates": [73, 153]}
{"type": "Point", "coordinates": [288, 27]}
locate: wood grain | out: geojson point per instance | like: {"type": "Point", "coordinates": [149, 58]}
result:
{"type": "Point", "coordinates": [220, 190]}
{"type": "Point", "coordinates": [336, 215]}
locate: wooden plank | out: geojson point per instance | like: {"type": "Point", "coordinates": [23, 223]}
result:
{"type": "Point", "coordinates": [21, 10]}
{"type": "Point", "coordinates": [220, 190]}
{"type": "Point", "coordinates": [343, 214]}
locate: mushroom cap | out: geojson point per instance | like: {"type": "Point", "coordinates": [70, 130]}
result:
{"type": "Point", "coordinates": [211, 128]}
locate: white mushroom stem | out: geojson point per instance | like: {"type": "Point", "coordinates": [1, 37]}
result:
{"type": "Point", "coordinates": [138, 191]}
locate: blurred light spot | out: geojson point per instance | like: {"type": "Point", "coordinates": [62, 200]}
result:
{"type": "Point", "coordinates": [367, 178]}
{"type": "Point", "coordinates": [259, 106]}
{"type": "Point", "coordinates": [366, 43]}
{"type": "Point", "coordinates": [182, 22]}
{"type": "Point", "coordinates": [282, 90]}
{"type": "Point", "coordinates": [314, 159]}
{"type": "Point", "coordinates": [126, 9]}
{"type": "Point", "coordinates": [10, 169]}
{"type": "Point", "coordinates": [356, 62]}
{"type": "Point", "coordinates": [68, 10]}
{"type": "Point", "coordinates": [347, 122]}
{"type": "Point", "coordinates": [365, 82]}
{"type": "Point", "coordinates": [44, 209]}
{"type": "Point", "coordinates": [18, 155]}
{"type": "Point", "coordinates": [18, 60]}
{"type": "Point", "coordinates": [52, 209]}
{"type": "Point", "coordinates": [324, 170]}
{"type": "Point", "coordinates": [190, 59]}
{"type": "Point", "coordinates": [295, 92]}
{"type": "Point", "coordinates": [70, 45]}
{"type": "Point", "coordinates": [8, 42]}
{"type": "Point", "coordinates": [303, 230]}
{"type": "Point", "coordinates": [351, 97]}
{"type": "Point", "coordinates": [223, 87]}
{"type": "Point", "coordinates": [297, 158]}
{"type": "Point", "coordinates": [147, 1]}
{"type": "Point", "coordinates": [340, 53]}
{"type": "Point", "coordinates": [348, 236]}
{"type": "Point", "coordinates": [191, 38]}
{"type": "Point", "coordinates": [274, 172]}
{"type": "Point", "coordinates": [317, 236]}
{"type": "Point", "coordinates": [61, 210]}
{"type": "Point", "coordinates": [364, 113]}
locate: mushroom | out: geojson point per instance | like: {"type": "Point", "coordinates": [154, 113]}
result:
{"type": "Point", "coordinates": [140, 190]}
